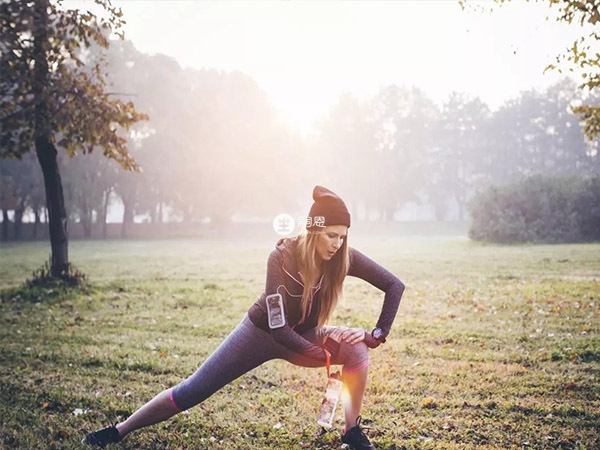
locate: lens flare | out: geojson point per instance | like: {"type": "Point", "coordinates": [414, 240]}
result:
{"type": "Point", "coordinates": [345, 397]}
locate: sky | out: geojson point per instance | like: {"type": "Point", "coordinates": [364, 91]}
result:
{"type": "Point", "coordinates": [304, 55]}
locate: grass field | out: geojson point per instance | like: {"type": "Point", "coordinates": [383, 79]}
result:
{"type": "Point", "coordinates": [493, 347]}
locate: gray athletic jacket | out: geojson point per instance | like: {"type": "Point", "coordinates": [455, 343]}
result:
{"type": "Point", "coordinates": [283, 277]}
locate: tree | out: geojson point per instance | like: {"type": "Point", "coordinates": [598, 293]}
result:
{"type": "Point", "coordinates": [583, 54]}
{"type": "Point", "coordinates": [9, 200]}
{"type": "Point", "coordinates": [535, 134]}
{"type": "Point", "coordinates": [403, 118]}
{"type": "Point", "coordinates": [456, 161]}
{"type": "Point", "coordinates": [347, 135]}
{"type": "Point", "coordinates": [51, 96]}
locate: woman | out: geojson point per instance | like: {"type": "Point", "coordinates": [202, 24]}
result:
{"type": "Point", "coordinates": [319, 259]}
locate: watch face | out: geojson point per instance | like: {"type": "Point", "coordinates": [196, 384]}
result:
{"type": "Point", "coordinates": [377, 333]}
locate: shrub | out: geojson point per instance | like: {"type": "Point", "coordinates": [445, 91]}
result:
{"type": "Point", "coordinates": [538, 209]}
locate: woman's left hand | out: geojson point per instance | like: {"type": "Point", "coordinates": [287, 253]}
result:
{"type": "Point", "coordinates": [350, 335]}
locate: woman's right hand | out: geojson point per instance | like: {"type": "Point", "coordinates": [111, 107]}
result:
{"type": "Point", "coordinates": [351, 335]}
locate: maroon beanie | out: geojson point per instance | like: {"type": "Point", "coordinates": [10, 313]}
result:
{"type": "Point", "coordinates": [328, 205]}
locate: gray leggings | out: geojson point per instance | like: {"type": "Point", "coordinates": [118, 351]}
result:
{"type": "Point", "coordinates": [247, 347]}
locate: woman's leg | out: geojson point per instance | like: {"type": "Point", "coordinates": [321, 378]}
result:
{"type": "Point", "coordinates": [355, 382]}
{"type": "Point", "coordinates": [245, 348]}
{"type": "Point", "coordinates": [355, 360]}
{"type": "Point", "coordinates": [156, 410]}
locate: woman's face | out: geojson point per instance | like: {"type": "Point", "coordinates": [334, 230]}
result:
{"type": "Point", "coordinates": [330, 240]}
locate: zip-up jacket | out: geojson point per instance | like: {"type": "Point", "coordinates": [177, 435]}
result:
{"type": "Point", "coordinates": [284, 277]}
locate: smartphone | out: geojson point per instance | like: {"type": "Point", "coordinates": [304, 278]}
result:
{"type": "Point", "coordinates": [275, 311]}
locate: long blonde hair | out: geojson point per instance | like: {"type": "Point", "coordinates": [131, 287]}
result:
{"type": "Point", "coordinates": [334, 272]}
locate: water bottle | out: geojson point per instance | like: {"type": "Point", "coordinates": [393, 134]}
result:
{"type": "Point", "coordinates": [330, 401]}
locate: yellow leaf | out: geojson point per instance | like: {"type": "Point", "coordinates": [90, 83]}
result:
{"type": "Point", "coordinates": [428, 402]}
{"type": "Point", "coordinates": [45, 405]}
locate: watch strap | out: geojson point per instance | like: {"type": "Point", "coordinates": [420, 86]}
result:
{"type": "Point", "coordinates": [381, 338]}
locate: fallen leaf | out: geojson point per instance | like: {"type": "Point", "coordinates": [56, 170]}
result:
{"type": "Point", "coordinates": [570, 385]}
{"type": "Point", "coordinates": [45, 405]}
{"type": "Point", "coordinates": [61, 435]}
{"type": "Point", "coordinates": [428, 402]}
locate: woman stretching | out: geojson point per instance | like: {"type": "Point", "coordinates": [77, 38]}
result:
{"type": "Point", "coordinates": [305, 275]}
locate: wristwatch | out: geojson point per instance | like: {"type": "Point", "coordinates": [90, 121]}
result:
{"type": "Point", "coordinates": [377, 333]}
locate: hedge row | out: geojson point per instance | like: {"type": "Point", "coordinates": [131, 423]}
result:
{"type": "Point", "coordinates": [538, 209]}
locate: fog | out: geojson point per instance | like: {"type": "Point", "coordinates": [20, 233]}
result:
{"type": "Point", "coordinates": [411, 130]}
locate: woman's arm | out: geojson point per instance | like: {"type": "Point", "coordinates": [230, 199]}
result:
{"type": "Point", "coordinates": [363, 267]}
{"type": "Point", "coordinates": [285, 335]}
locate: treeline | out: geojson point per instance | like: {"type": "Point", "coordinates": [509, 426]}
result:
{"type": "Point", "coordinates": [538, 209]}
{"type": "Point", "coordinates": [215, 146]}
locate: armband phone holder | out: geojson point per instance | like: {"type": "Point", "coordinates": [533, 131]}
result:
{"type": "Point", "coordinates": [275, 311]}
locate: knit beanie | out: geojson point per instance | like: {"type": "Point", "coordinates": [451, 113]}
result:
{"type": "Point", "coordinates": [328, 205]}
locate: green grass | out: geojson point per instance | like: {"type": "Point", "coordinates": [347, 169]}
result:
{"type": "Point", "coordinates": [493, 347]}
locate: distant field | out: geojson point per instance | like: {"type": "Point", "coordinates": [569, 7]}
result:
{"type": "Point", "coordinates": [493, 347]}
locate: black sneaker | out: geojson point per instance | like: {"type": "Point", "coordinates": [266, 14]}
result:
{"type": "Point", "coordinates": [103, 437]}
{"type": "Point", "coordinates": [355, 437]}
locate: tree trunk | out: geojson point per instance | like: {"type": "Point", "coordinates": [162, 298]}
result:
{"type": "Point", "coordinates": [36, 211]}
{"type": "Point", "coordinates": [44, 230]}
{"type": "Point", "coordinates": [18, 221]}
{"type": "Point", "coordinates": [45, 149]}
{"type": "Point", "coordinates": [57, 215]}
{"type": "Point", "coordinates": [86, 218]}
{"type": "Point", "coordinates": [127, 216]}
{"type": "Point", "coordinates": [5, 225]}
{"type": "Point", "coordinates": [105, 212]}
{"type": "Point", "coordinates": [87, 225]}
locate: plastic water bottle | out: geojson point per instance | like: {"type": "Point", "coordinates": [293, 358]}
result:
{"type": "Point", "coordinates": [330, 401]}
